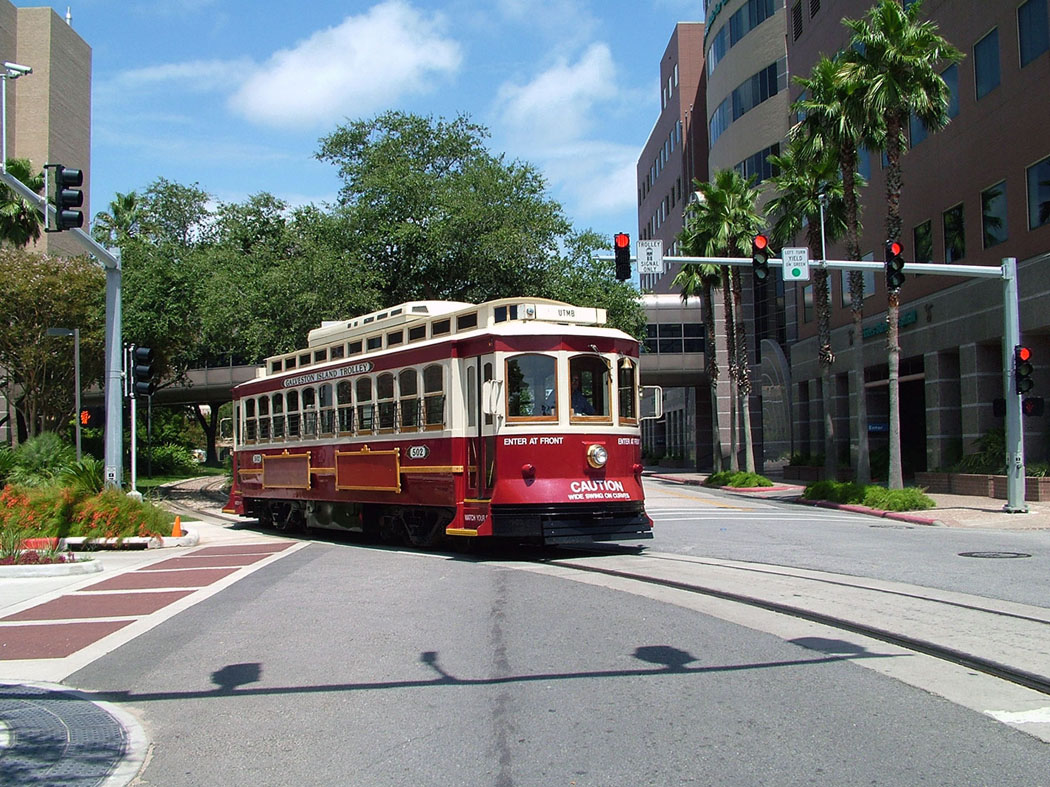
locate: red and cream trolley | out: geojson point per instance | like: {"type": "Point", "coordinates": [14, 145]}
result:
{"type": "Point", "coordinates": [517, 418]}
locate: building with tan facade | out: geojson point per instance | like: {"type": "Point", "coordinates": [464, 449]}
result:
{"type": "Point", "coordinates": [48, 111]}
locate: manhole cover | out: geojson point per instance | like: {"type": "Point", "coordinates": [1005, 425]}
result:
{"type": "Point", "coordinates": [995, 555]}
{"type": "Point", "coordinates": [56, 737]}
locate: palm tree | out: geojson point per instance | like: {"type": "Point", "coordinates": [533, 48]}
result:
{"type": "Point", "coordinates": [835, 117]}
{"type": "Point", "coordinates": [724, 222]}
{"type": "Point", "coordinates": [19, 221]}
{"type": "Point", "coordinates": [808, 181]}
{"type": "Point", "coordinates": [898, 59]}
{"type": "Point", "coordinates": [121, 222]}
{"type": "Point", "coordinates": [699, 280]}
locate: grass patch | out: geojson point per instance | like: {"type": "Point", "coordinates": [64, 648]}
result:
{"type": "Point", "coordinates": [738, 479]}
{"type": "Point", "coordinates": [908, 499]}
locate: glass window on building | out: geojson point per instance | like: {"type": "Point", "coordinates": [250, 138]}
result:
{"type": "Point", "coordinates": [954, 234]}
{"type": "Point", "coordinates": [922, 239]}
{"type": "Point", "coordinates": [986, 63]}
{"type": "Point", "coordinates": [1039, 194]}
{"type": "Point", "coordinates": [693, 337]}
{"type": "Point", "coordinates": [1033, 30]}
{"type": "Point", "coordinates": [950, 76]}
{"type": "Point", "coordinates": [993, 215]}
{"type": "Point", "coordinates": [916, 130]}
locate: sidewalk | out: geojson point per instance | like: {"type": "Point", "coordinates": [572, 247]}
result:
{"type": "Point", "coordinates": [951, 511]}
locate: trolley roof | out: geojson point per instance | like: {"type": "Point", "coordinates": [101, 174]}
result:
{"type": "Point", "coordinates": [420, 321]}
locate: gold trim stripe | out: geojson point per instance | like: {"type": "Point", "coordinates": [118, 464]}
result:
{"type": "Point", "coordinates": [460, 531]}
{"type": "Point", "coordinates": [455, 469]}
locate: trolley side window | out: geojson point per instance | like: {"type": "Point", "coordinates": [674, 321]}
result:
{"type": "Point", "coordinates": [250, 424]}
{"type": "Point", "coordinates": [309, 412]}
{"type": "Point", "coordinates": [590, 389]}
{"type": "Point", "coordinates": [264, 418]}
{"type": "Point", "coordinates": [408, 392]}
{"type": "Point", "coordinates": [385, 402]}
{"type": "Point", "coordinates": [292, 415]}
{"type": "Point", "coordinates": [278, 416]}
{"type": "Point", "coordinates": [434, 397]}
{"type": "Point", "coordinates": [627, 383]}
{"type": "Point", "coordinates": [365, 408]}
{"type": "Point", "coordinates": [327, 411]}
{"type": "Point", "coordinates": [532, 386]}
{"type": "Point", "coordinates": [344, 394]}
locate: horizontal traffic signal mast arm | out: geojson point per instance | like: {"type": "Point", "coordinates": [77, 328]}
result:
{"type": "Point", "coordinates": [931, 268]}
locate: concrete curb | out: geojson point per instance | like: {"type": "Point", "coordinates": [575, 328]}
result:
{"type": "Point", "coordinates": [51, 569]}
{"type": "Point", "coordinates": [899, 516]}
{"type": "Point", "coordinates": [190, 539]}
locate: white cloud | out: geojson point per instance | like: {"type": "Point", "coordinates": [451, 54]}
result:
{"type": "Point", "coordinates": [195, 75]}
{"type": "Point", "coordinates": [558, 105]}
{"type": "Point", "coordinates": [356, 68]}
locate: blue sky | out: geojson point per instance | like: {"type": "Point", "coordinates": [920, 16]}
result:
{"type": "Point", "coordinates": [234, 94]}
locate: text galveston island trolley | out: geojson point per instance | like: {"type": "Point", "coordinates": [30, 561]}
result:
{"type": "Point", "coordinates": [517, 419]}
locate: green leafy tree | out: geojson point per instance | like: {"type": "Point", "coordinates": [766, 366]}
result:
{"type": "Point", "coordinates": [725, 220]}
{"type": "Point", "coordinates": [435, 215]}
{"type": "Point", "coordinates": [836, 118]}
{"type": "Point", "coordinates": [809, 185]}
{"type": "Point", "coordinates": [37, 370]}
{"type": "Point", "coordinates": [121, 222]}
{"type": "Point", "coordinates": [895, 60]}
{"type": "Point", "coordinates": [19, 221]}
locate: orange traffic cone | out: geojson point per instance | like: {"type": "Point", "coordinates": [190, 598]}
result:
{"type": "Point", "coordinates": [176, 529]}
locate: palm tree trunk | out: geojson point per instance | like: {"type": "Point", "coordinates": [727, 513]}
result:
{"type": "Point", "coordinates": [848, 166]}
{"type": "Point", "coordinates": [707, 297]}
{"type": "Point", "coordinates": [734, 369]}
{"type": "Point", "coordinates": [743, 372]}
{"type": "Point", "coordinates": [894, 125]}
{"type": "Point", "coordinates": [825, 355]}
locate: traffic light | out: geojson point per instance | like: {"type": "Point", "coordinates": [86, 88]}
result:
{"type": "Point", "coordinates": [92, 417]}
{"type": "Point", "coordinates": [142, 372]}
{"type": "Point", "coordinates": [894, 265]}
{"type": "Point", "coordinates": [760, 257]}
{"type": "Point", "coordinates": [622, 249]}
{"type": "Point", "coordinates": [1034, 406]}
{"type": "Point", "coordinates": [1023, 369]}
{"type": "Point", "coordinates": [68, 197]}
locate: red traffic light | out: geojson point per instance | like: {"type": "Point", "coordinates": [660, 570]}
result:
{"type": "Point", "coordinates": [622, 240]}
{"type": "Point", "coordinates": [1023, 353]}
{"type": "Point", "coordinates": [761, 242]}
{"type": "Point", "coordinates": [894, 248]}
{"type": "Point", "coordinates": [85, 417]}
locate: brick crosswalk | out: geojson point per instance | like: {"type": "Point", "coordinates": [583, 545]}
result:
{"type": "Point", "coordinates": [62, 626]}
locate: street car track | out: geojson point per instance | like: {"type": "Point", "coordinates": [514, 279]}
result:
{"type": "Point", "coordinates": [985, 664]}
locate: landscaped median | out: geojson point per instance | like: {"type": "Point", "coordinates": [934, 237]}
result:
{"type": "Point", "coordinates": [871, 499]}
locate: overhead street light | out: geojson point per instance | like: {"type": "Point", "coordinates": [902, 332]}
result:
{"type": "Point", "coordinates": [75, 333]}
{"type": "Point", "coordinates": [11, 71]}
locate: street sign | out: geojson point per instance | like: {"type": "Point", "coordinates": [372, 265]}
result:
{"type": "Point", "coordinates": [796, 264]}
{"type": "Point", "coordinates": [651, 256]}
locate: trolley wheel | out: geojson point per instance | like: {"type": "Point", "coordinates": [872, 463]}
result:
{"type": "Point", "coordinates": [286, 516]}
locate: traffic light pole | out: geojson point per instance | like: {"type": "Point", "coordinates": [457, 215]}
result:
{"type": "Point", "coordinates": [110, 260]}
{"type": "Point", "coordinates": [1007, 272]}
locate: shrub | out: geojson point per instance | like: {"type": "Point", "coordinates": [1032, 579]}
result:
{"type": "Point", "coordinates": [39, 459]}
{"type": "Point", "coordinates": [87, 475]}
{"type": "Point", "coordinates": [170, 459]}
{"type": "Point", "coordinates": [990, 456]}
{"type": "Point", "coordinates": [909, 499]}
{"type": "Point", "coordinates": [7, 461]}
{"type": "Point", "coordinates": [62, 512]}
{"type": "Point", "coordinates": [737, 479]}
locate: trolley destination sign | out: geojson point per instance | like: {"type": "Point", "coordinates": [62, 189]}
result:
{"type": "Point", "coordinates": [328, 374]}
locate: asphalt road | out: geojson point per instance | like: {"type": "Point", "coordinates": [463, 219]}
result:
{"type": "Point", "coordinates": [343, 664]}
{"type": "Point", "coordinates": [694, 521]}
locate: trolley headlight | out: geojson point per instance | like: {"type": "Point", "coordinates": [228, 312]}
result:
{"type": "Point", "coordinates": [597, 456]}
